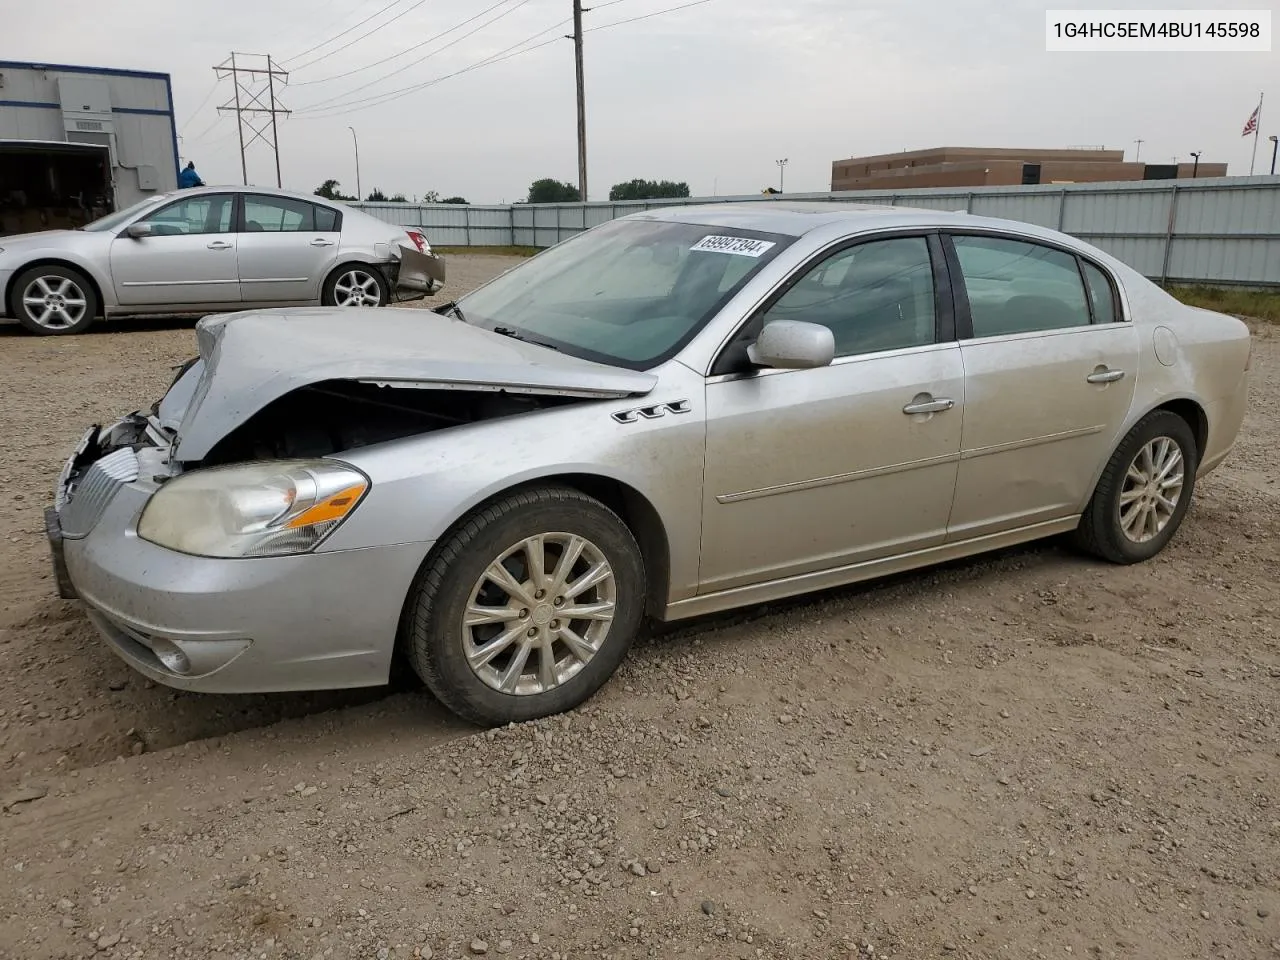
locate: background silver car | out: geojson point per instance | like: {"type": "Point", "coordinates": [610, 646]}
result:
{"type": "Point", "coordinates": [210, 248]}
{"type": "Point", "coordinates": [675, 413]}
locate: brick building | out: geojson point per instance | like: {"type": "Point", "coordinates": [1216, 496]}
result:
{"type": "Point", "coordinates": [978, 167]}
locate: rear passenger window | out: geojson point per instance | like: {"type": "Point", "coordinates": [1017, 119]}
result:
{"type": "Point", "coordinates": [326, 220]}
{"type": "Point", "coordinates": [1101, 295]}
{"type": "Point", "coordinates": [1019, 287]}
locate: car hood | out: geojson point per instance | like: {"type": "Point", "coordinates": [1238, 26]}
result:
{"type": "Point", "coordinates": [40, 238]}
{"type": "Point", "coordinates": [249, 359]}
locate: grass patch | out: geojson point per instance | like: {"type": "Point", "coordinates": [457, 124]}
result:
{"type": "Point", "coordinates": [1257, 304]}
{"type": "Point", "coordinates": [487, 251]}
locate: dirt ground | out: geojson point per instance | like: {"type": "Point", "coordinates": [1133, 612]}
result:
{"type": "Point", "coordinates": [1029, 755]}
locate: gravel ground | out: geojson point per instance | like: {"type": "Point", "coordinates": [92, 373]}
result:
{"type": "Point", "coordinates": [1026, 755]}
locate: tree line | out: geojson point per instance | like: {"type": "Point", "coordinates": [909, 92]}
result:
{"type": "Point", "coordinates": [546, 190]}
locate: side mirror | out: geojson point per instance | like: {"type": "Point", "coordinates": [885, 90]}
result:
{"type": "Point", "coordinates": [793, 344]}
{"type": "Point", "coordinates": [138, 230]}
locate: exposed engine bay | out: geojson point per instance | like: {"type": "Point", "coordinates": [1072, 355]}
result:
{"type": "Point", "coordinates": [336, 415]}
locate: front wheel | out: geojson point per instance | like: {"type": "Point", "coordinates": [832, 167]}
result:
{"type": "Point", "coordinates": [527, 608]}
{"type": "Point", "coordinates": [1144, 491]}
{"type": "Point", "coordinates": [53, 301]}
{"type": "Point", "coordinates": [356, 285]}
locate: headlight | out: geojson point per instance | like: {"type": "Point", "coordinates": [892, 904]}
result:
{"type": "Point", "coordinates": [252, 510]}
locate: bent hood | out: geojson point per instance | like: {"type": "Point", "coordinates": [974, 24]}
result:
{"type": "Point", "coordinates": [249, 359]}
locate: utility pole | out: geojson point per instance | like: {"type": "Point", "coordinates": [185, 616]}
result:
{"type": "Point", "coordinates": [1138, 152]}
{"type": "Point", "coordinates": [254, 103]}
{"type": "Point", "coordinates": [356, 143]}
{"type": "Point", "coordinates": [582, 105]}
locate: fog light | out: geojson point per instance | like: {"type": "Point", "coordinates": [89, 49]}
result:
{"type": "Point", "coordinates": [171, 655]}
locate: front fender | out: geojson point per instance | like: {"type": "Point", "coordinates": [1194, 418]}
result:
{"type": "Point", "coordinates": [97, 274]}
{"type": "Point", "coordinates": [422, 486]}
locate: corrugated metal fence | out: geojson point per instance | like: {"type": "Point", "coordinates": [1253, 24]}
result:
{"type": "Point", "coordinates": [1224, 230]}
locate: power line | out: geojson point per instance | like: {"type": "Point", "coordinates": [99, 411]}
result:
{"type": "Point", "coordinates": [328, 108]}
{"type": "Point", "coordinates": [381, 26]}
{"type": "Point", "coordinates": [323, 43]}
{"type": "Point", "coordinates": [339, 100]}
{"type": "Point", "coordinates": [407, 50]}
{"type": "Point", "coordinates": [341, 109]}
{"type": "Point", "coordinates": [196, 112]}
{"type": "Point", "coordinates": [645, 16]}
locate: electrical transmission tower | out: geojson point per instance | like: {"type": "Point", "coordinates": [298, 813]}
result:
{"type": "Point", "coordinates": [254, 78]}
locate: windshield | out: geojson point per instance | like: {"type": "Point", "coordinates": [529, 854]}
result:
{"type": "Point", "coordinates": [113, 220]}
{"type": "Point", "coordinates": [629, 293]}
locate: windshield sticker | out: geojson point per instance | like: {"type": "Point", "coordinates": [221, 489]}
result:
{"type": "Point", "coordinates": [739, 246]}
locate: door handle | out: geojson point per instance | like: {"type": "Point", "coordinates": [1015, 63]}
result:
{"type": "Point", "coordinates": [219, 245]}
{"type": "Point", "coordinates": [321, 242]}
{"type": "Point", "coordinates": [940, 405]}
{"type": "Point", "coordinates": [1103, 375]}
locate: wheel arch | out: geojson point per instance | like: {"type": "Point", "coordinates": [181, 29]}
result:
{"type": "Point", "coordinates": [635, 510]}
{"type": "Point", "coordinates": [49, 261]}
{"type": "Point", "coordinates": [1185, 406]}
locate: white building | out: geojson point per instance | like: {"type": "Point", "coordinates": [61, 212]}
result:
{"type": "Point", "coordinates": [76, 142]}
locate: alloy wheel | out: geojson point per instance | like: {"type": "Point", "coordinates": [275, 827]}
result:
{"type": "Point", "coordinates": [54, 302]}
{"type": "Point", "coordinates": [357, 288]}
{"type": "Point", "coordinates": [539, 613]}
{"type": "Point", "coordinates": [1152, 488]}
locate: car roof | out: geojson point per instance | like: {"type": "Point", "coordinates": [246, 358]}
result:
{"type": "Point", "coordinates": [795, 219]}
{"type": "Point", "coordinates": [268, 191]}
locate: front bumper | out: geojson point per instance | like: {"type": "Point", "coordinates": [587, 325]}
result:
{"type": "Point", "coordinates": [308, 622]}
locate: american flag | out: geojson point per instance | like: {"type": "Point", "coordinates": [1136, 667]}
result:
{"type": "Point", "coordinates": [1252, 123]}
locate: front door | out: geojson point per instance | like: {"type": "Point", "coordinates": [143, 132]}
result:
{"type": "Point", "coordinates": [189, 259]}
{"type": "Point", "coordinates": [812, 469]}
{"type": "Point", "coordinates": [287, 246]}
{"type": "Point", "coordinates": [1050, 366]}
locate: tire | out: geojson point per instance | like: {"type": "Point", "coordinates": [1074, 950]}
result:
{"type": "Point", "coordinates": [53, 301]}
{"type": "Point", "coordinates": [356, 285]}
{"type": "Point", "coordinates": [456, 578]}
{"type": "Point", "coordinates": [1103, 529]}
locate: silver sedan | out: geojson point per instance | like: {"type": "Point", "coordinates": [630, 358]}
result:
{"type": "Point", "coordinates": [212, 248]}
{"type": "Point", "coordinates": [679, 412]}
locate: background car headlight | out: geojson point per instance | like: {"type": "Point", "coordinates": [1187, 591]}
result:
{"type": "Point", "coordinates": [252, 510]}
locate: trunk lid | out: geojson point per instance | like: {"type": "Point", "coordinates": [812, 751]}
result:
{"type": "Point", "coordinates": [249, 359]}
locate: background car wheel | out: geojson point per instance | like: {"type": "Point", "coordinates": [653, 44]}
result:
{"type": "Point", "coordinates": [527, 608]}
{"type": "Point", "coordinates": [356, 285]}
{"type": "Point", "coordinates": [53, 301]}
{"type": "Point", "coordinates": [1143, 493]}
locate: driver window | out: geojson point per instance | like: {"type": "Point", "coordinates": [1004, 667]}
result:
{"type": "Point", "coordinates": [207, 213]}
{"type": "Point", "coordinates": [873, 296]}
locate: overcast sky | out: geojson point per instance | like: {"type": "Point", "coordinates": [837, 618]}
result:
{"type": "Point", "coordinates": [713, 94]}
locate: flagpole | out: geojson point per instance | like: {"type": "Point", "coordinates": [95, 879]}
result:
{"type": "Point", "coordinates": [1256, 130]}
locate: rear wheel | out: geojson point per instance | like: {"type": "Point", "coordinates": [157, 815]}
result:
{"type": "Point", "coordinates": [527, 608]}
{"type": "Point", "coordinates": [1143, 493]}
{"type": "Point", "coordinates": [53, 301]}
{"type": "Point", "coordinates": [356, 285]}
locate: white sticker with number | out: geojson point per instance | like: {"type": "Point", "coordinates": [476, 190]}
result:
{"type": "Point", "coordinates": [738, 246]}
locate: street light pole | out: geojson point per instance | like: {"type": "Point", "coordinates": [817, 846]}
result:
{"type": "Point", "coordinates": [1195, 166]}
{"type": "Point", "coordinates": [1138, 152]}
{"type": "Point", "coordinates": [356, 144]}
{"type": "Point", "coordinates": [1275, 144]}
{"type": "Point", "coordinates": [782, 174]}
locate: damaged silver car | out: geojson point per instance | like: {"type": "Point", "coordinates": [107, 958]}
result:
{"type": "Point", "coordinates": [676, 413]}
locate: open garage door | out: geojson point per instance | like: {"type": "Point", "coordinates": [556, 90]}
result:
{"type": "Point", "coordinates": [51, 185]}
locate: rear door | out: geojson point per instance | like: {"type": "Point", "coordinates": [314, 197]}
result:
{"type": "Point", "coordinates": [189, 259]}
{"type": "Point", "coordinates": [287, 246]}
{"type": "Point", "coordinates": [1050, 364]}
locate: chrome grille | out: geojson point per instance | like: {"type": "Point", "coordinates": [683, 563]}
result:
{"type": "Point", "coordinates": [88, 498]}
